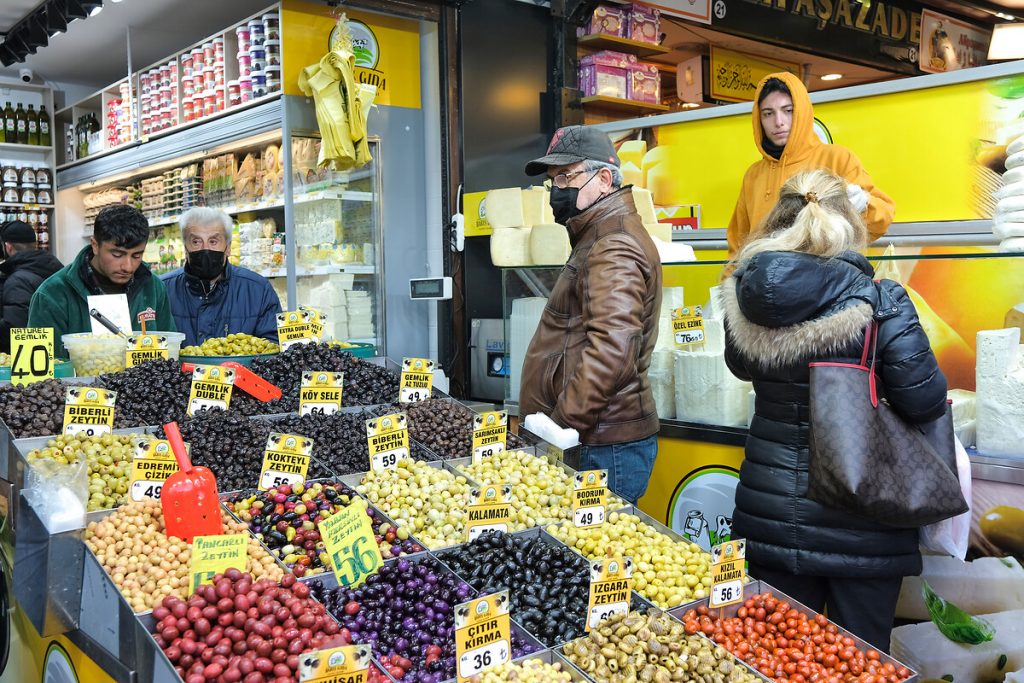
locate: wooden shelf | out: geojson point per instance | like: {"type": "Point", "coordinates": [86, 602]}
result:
{"type": "Point", "coordinates": [620, 105]}
{"type": "Point", "coordinates": [599, 41]}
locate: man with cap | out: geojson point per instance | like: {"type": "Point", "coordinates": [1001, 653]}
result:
{"type": "Point", "coordinates": [586, 366]}
{"type": "Point", "coordinates": [21, 273]}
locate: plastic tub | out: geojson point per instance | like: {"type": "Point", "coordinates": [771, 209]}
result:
{"type": "Point", "coordinates": [95, 354]}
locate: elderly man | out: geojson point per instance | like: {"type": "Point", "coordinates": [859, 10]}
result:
{"type": "Point", "coordinates": [209, 296]}
{"type": "Point", "coordinates": [586, 366]}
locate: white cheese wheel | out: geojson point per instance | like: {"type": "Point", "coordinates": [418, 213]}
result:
{"type": "Point", "coordinates": [644, 205]}
{"type": "Point", "coordinates": [1010, 190]}
{"type": "Point", "coordinates": [534, 200]}
{"type": "Point", "coordinates": [1015, 146]}
{"type": "Point", "coordinates": [1015, 161]}
{"type": "Point", "coordinates": [504, 208]}
{"type": "Point", "coordinates": [1013, 176]}
{"type": "Point", "coordinates": [510, 247]}
{"type": "Point", "coordinates": [1008, 204]}
{"type": "Point", "coordinates": [632, 151]}
{"type": "Point", "coordinates": [549, 245]}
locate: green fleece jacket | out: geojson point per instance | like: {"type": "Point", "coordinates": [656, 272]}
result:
{"type": "Point", "coordinates": [61, 301]}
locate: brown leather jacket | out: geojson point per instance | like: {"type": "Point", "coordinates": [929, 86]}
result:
{"type": "Point", "coordinates": [587, 363]}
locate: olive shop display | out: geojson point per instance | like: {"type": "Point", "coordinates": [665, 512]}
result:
{"type": "Point", "coordinates": [528, 671]}
{"type": "Point", "coordinates": [238, 344]}
{"type": "Point", "coordinates": [108, 457]}
{"type": "Point", "coordinates": [38, 409]}
{"type": "Point", "coordinates": [442, 426]}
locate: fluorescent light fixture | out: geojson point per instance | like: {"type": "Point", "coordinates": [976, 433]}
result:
{"type": "Point", "coordinates": [1007, 42]}
{"type": "Point", "coordinates": [1001, 15]}
{"type": "Point", "coordinates": [831, 77]}
{"type": "Point", "coordinates": [690, 105]}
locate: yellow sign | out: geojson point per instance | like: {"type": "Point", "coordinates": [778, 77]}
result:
{"type": "Point", "coordinates": [387, 49]}
{"type": "Point", "coordinates": [735, 75]}
{"type": "Point", "coordinates": [388, 439]}
{"type": "Point", "coordinates": [490, 509]}
{"type": "Point", "coordinates": [490, 431]}
{"type": "Point", "coordinates": [88, 410]}
{"type": "Point", "coordinates": [483, 635]}
{"type": "Point", "coordinates": [345, 664]}
{"type": "Point", "coordinates": [611, 586]}
{"type": "Point", "coordinates": [285, 461]}
{"type": "Point", "coordinates": [304, 326]}
{"type": "Point", "coordinates": [211, 388]}
{"type": "Point", "coordinates": [688, 326]}
{"type": "Point", "coordinates": [417, 380]}
{"type": "Point", "coordinates": [145, 347]}
{"type": "Point", "coordinates": [320, 393]}
{"type": "Point", "coordinates": [350, 544]}
{"type": "Point", "coordinates": [474, 211]}
{"type": "Point", "coordinates": [153, 463]}
{"type": "Point", "coordinates": [31, 355]}
{"type": "Point", "coordinates": [728, 572]}
{"type": "Point", "coordinates": [590, 498]}
{"type": "Point", "coordinates": [212, 555]}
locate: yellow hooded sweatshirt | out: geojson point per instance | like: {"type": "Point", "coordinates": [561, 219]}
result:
{"type": "Point", "coordinates": [803, 152]}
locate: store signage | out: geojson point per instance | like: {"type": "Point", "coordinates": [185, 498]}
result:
{"type": "Point", "coordinates": [320, 393]}
{"type": "Point", "coordinates": [483, 635]}
{"type": "Point", "coordinates": [417, 380]}
{"type": "Point", "coordinates": [611, 586]}
{"type": "Point", "coordinates": [211, 388]}
{"type": "Point", "coordinates": [88, 411]}
{"type": "Point", "coordinates": [590, 498]}
{"type": "Point", "coordinates": [350, 544]}
{"type": "Point", "coordinates": [734, 75]}
{"type": "Point", "coordinates": [728, 572]}
{"type": "Point", "coordinates": [490, 432]}
{"type": "Point", "coordinates": [285, 460]}
{"type": "Point", "coordinates": [948, 44]}
{"type": "Point", "coordinates": [345, 664]}
{"type": "Point", "coordinates": [474, 206]}
{"type": "Point", "coordinates": [304, 326]}
{"type": "Point", "coordinates": [153, 463]}
{"type": "Point", "coordinates": [388, 440]}
{"type": "Point", "coordinates": [688, 326]}
{"type": "Point", "coordinates": [31, 355]}
{"type": "Point", "coordinates": [212, 555]}
{"type": "Point", "coordinates": [490, 509]}
{"type": "Point", "coordinates": [694, 10]}
{"type": "Point", "coordinates": [144, 348]}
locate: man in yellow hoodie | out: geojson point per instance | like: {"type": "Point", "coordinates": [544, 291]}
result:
{"type": "Point", "coordinates": [784, 134]}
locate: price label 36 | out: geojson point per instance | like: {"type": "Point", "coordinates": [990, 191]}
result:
{"type": "Point", "coordinates": [483, 658]}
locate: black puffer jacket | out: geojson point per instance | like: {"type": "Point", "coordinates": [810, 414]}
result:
{"type": "Point", "coordinates": [782, 311]}
{"type": "Point", "coordinates": [20, 277]}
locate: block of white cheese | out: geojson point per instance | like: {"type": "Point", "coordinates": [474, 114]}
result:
{"type": "Point", "coordinates": [535, 200]}
{"type": "Point", "coordinates": [661, 231]}
{"type": "Point", "coordinates": [988, 584]}
{"type": "Point", "coordinates": [632, 152]}
{"type": "Point", "coordinates": [510, 247]}
{"type": "Point", "coordinates": [662, 376]}
{"type": "Point", "coordinates": [632, 175]}
{"type": "Point", "coordinates": [673, 252]}
{"type": "Point", "coordinates": [504, 208]}
{"type": "Point", "coordinates": [644, 205]}
{"type": "Point", "coordinates": [671, 299]}
{"type": "Point", "coordinates": [1011, 245]}
{"type": "Point", "coordinates": [706, 391]}
{"type": "Point", "coordinates": [1000, 392]}
{"type": "Point", "coordinates": [964, 405]}
{"type": "Point", "coordinates": [1008, 229]}
{"type": "Point", "coordinates": [549, 244]}
{"type": "Point", "coordinates": [922, 647]}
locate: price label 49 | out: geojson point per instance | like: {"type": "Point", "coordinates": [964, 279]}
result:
{"type": "Point", "coordinates": [590, 516]}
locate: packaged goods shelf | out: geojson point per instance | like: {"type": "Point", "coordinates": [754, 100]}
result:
{"type": "Point", "coordinates": [619, 104]}
{"type": "Point", "coordinates": [600, 41]}
{"type": "Point", "coordinates": [18, 147]}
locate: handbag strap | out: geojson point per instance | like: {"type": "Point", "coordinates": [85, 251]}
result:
{"type": "Point", "coordinates": [871, 339]}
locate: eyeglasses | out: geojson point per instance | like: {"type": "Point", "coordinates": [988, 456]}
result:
{"type": "Point", "coordinates": [561, 180]}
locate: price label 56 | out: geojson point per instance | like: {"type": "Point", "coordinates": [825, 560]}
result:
{"type": "Point", "coordinates": [356, 561]}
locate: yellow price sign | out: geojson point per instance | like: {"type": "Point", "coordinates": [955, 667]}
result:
{"type": "Point", "coordinates": [145, 347]}
{"type": "Point", "coordinates": [490, 434]}
{"type": "Point", "coordinates": [417, 380]}
{"type": "Point", "coordinates": [153, 463]}
{"type": "Point", "coordinates": [212, 555]}
{"type": "Point", "coordinates": [351, 546]}
{"type": "Point", "coordinates": [31, 355]}
{"type": "Point", "coordinates": [611, 586]}
{"type": "Point", "coordinates": [590, 498]}
{"type": "Point", "coordinates": [320, 393]}
{"type": "Point", "coordinates": [88, 410]}
{"type": "Point", "coordinates": [303, 326]}
{"type": "Point", "coordinates": [490, 509]}
{"type": "Point", "coordinates": [483, 635]}
{"type": "Point", "coordinates": [388, 440]}
{"type": "Point", "coordinates": [285, 460]}
{"type": "Point", "coordinates": [688, 326]}
{"type": "Point", "coordinates": [728, 572]}
{"type": "Point", "coordinates": [211, 388]}
{"type": "Point", "coordinates": [345, 664]}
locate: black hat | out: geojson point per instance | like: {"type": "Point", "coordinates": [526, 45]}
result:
{"type": "Point", "coordinates": [572, 144]}
{"type": "Point", "coordinates": [17, 232]}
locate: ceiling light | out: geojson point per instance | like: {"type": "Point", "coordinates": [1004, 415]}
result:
{"type": "Point", "coordinates": [1004, 15]}
{"type": "Point", "coordinates": [1007, 42]}
{"type": "Point", "coordinates": [690, 105]}
{"type": "Point", "coordinates": [831, 77]}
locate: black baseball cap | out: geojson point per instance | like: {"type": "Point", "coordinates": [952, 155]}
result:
{"type": "Point", "coordinates": [17, 232]}
{"type": "Point", "coordinates": [573, 144]}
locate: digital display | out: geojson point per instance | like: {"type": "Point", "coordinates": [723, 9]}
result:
{"type": "Point", "coordinates": [426, 287]}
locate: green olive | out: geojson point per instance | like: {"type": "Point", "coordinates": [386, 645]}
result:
{"type": "Point", "coordinates": [1004, 526]}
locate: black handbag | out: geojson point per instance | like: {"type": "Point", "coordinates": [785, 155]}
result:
{"type": "Point", "coordinates": [867, 460]}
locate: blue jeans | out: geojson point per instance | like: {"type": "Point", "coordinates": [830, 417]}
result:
{"type": "Point", "coordinates": [629, 465]}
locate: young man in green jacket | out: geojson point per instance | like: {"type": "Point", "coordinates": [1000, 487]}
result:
{"type": "Point", "coordinates": [111, 264]}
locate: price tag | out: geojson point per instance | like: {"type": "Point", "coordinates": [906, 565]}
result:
{"type": "Point", "coordinates": [728, 572]}
{"type": "Point", "coordinates": [490, 431]}
{"type": "Point", "coordinates": [351, 546]}
{"type": "Point", "coordinates": [31, 355]}
{"type": "Point", "coordinates": [88, 411]}
{"type": "Point", "coordinates": [417, 380]}
{"type": "Point", "coordinates": [153, 463]}
{"type": "Point", "coordinates": [345, 664]}
{"type": "Point", "coordinates": [388, 439]}
{"type": "Point", "coordinates": [304, 326]}
{"type": "Point", "coordinates": [285, 461]}
{"type": "Point", "coordinates": [213, 555]}
{"type": "Point", "coordinates": [590, 498]}
{"type": "Point", "coordinates": [320, 393]}
{"type": "Point", "coordinates": [483, 635]}
{"type": "Point", "coordinates": [211, 388]}
{"type": "Point", "coordinates": [145, 347]}
{"type": "Point", "coordinates": [611, 585]}
{"type": "Point", "coordinates": [490, 509]}
{"type": "Point", "coordinates": [688, 326]}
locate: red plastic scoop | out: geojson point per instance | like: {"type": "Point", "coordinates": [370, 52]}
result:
{"type": "Point", "coordinates": [189, 497]}
{"type": "Point", "coordinates": [246, 380]}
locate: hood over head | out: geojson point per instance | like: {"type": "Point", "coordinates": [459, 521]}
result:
{"type": "Point", "coordinates": [802, 138]}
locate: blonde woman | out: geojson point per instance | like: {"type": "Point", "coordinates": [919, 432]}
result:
{"type": "Point", "coordinates": [800, 292]}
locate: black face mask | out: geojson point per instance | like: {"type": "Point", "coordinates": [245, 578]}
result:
{"type": "Point", "coordinates": [563, 201]}
{"type": "Point", "coordinates": [206, 264]}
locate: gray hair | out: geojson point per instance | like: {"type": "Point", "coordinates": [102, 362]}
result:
{"type": "Point", "coordinates": [204, 215]}
{"type": "Point", "coordinates": [591, 165]}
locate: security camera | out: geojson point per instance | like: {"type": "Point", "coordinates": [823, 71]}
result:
{"type": "Point", "coordinates": [26, 75]}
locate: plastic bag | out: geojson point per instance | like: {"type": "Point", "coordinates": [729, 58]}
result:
{"type": "Point", "coordinates": [58, 493]}
{"type": "Point", "coordinates": [950, 536]}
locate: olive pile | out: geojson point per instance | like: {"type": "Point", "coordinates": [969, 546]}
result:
{"type": "Point", "coordinates": [442, 426]}
{"type": "Point", "coordinates": [38, 409]}
{"type": "Point", "coordinates": [526, 671]}
{"type": "Point", "coordinates": [548, 585]}
{"type": "Point", "coordinates": [238, 344]}
{"type": "Point", "coordinates": [109, 459]}
{"type": "Point", "coordinates": [232, 446]}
